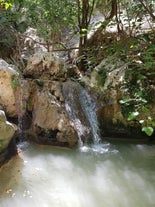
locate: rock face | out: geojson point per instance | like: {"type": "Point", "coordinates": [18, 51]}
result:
{"type": "Point", "coordinates": [110, 115]}
{"type": "Point", "coordinates": [115, 82]}
{"type": "Point", "coordinates": [50, 122]}
{"type": "Point", "coordinates": [7, 145]}
{"type": "Point", "coordinates": [45, 105]}
{"type": "Point", "coordinates": [38, 101]}
{"type": "Point", "coordinates": [8, 82]}
{"type": "Point", "coordinates": [45, 66]}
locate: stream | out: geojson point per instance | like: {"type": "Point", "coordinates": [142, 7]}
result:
{"type": "Point", "coordinates": [103, 175]}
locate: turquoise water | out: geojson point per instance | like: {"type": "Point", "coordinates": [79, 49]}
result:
{"type": "Point", "coordinates": [104, 175]}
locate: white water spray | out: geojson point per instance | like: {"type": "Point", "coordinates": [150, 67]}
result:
{"type": "Point", "coordinates": [81, 110]}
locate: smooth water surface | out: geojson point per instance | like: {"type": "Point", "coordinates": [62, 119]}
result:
{"type": "Point", "coordinates": [103, 175]}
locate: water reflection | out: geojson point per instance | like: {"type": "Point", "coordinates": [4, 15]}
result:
{"type": "Point", "coordinates": [106, 175]}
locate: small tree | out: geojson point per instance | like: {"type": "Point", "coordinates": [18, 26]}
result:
{"type": "Point", "coordinates": [85, 10]}
{"type": "Point", "coordinates": [50, 18]}
{"type": "Point", "coordinates": [149, 7]}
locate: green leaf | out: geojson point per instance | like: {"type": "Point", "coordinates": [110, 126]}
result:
{"type": "Point", "coordinates": [141, 121]}
{"type": "Point", "coordinates": [148, 130]}
{"type": "Point", "coordinates": [145, 109]}
{"type": "Point", "coordinates": [124, 101]}
{"type": "Point", "coordinates": [82, 35]}
{"type": "Point", "coordinates": [139, 93]}
{"type": "Point", "coordinates": [143, 100]}
{"type": "Point", "coordinates": [133, 115]}
{"type": "Point", "coordinates": [84, 30]}
{"type": "Point", "coordinates": [149, 118]}
{"type": "Point", "coordinates": [8, 5]}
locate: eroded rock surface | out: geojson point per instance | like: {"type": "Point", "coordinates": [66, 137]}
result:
{"type": "Point", "coordinates": [37, 101]}
{"type": "Point", "coordinates": [7, 144]}
{"type": "Point", "coordinates": [45, 66]}
{"type": "Point", "coordinates": [115, 82]}
{"type": "Point", "coordinates": [50, 122]}
{"type": "Point", "coordinates": [8, 83]}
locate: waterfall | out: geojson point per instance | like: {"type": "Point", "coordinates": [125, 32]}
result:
{"type": "Point", "coordinates": [80, 107]}
{"type": "Point", "coordinates": [89, 106]}
{"type": "Point", "coordinates": [20, 106]}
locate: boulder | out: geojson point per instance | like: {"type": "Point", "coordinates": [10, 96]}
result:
{"type": "Point", "coordinates": [50, 122]}
{"type": "Point", "coordinates": [46, 66]}
{"type": "Point", "coordinates": [45, 105]}
{"type": "Point", "coordinates": [7, 145]}
{"type": "Point", "coordinates": [8, 84]}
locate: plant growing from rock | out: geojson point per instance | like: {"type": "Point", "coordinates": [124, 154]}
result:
{"type": "Point", "coordinates": [136, 109]}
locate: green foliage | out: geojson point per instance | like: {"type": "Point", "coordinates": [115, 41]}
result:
{"type": "Point", "coordinates": [148, 130]}
{"type": "Point", "coordinates": [102, 75]}
{"type": "Point", "coordinates": [141, 73]}
{"type": "Point", "coordinates": [7, 39]}
{"type": "Point", "coordinates": [103, 6]}
{"type": "Point", "coordinates": [50, 17]}
{"type": "Point", "coordinates": [15, 82]}
{"type": "Point", "coordinates": [133, 115]}
{"type": "Point", "coordinates": [137, 107]}
{"type": "Point", "coordinates": [6, 5]}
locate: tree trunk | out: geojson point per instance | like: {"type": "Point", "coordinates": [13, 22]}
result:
{"type": "Point", "coordinates": [113, 13]}
{"type": "Point", "coordinates": [84, 17]}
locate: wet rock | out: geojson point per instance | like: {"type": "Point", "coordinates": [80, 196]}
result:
{"type": "Point", "coordinates": [50, 122]}
{"type": "Point", "coordinates": [7, 143]}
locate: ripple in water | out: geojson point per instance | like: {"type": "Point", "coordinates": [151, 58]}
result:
{"type": "Point", "coordinates": [98, 149]}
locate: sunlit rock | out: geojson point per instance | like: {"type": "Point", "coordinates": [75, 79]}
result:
{"type": "Point", "coordinates": [7, 130]}
{"type": "Point", "coordinates": [50, 122]}
{"type": "Point", "coordinates": [45, 65]}
{"type": "Point", "coordinates": [8, 84]}
{"type": "Point", "coordinates": [113, 81]}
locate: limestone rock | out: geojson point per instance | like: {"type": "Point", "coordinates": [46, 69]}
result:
{"type": "Point", "coordinates": [7, 131]}
{"type": "Point", "coordinates": [45, 65]}
{"type": "Point", "coordinates": [110, 77]}
{"type": "Point", "coordinates": [50, 122]}
{"type": "Point", "coordinates": [7, 95]}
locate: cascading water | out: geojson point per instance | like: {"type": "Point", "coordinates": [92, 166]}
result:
{"type": "Point", "coordinates": [81, 109]}
{"type": "Point", "coordinates": [88, 106]}
{"type": "Point", "coordinates": [20, 106]}
{"type": "Point", "coordinates": [75, 111]}
{"type": "Point", "coordinates": [20, 111]}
